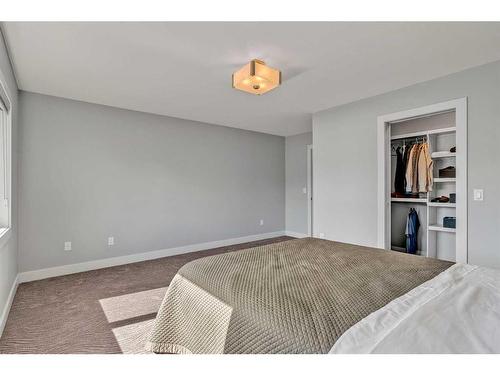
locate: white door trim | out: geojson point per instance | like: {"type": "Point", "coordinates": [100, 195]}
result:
{"type": "Point", "coordinates": [384, 176]}
{"type": "Point", "coordinates": [309, 191]}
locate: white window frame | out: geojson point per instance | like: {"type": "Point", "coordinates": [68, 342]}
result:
{"type": "Point", "coordinates": [6, 107]}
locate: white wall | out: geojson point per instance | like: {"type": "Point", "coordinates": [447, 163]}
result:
{"type": "Point", "coordinates": [296, 180]}
{"type": "Point", "coordinates": [8, 252]}
{"type": "Point", "coordinates": [153, 182]}
{"type": "Point", "coordinates": [345, 159]}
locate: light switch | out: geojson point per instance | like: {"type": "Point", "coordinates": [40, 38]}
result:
{"type": "Point", "coordinates": [478, 194]}
{"type": "Point", "coordinates": [67, 246]}
{"type": "Point", "coordinates": [304, 190]}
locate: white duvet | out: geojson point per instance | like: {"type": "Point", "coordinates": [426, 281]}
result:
{"type": "Point", "coordinates": [458, 311]}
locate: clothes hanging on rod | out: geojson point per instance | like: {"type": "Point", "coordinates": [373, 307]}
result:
{"type": "Point", "coordinates": [411, 169]}
{"type": "Point", "coordinates": [399, 180]}
{"type": "Point", "coordinates": [411, 232]}
{"type": "Point", "coordinates": [425, 179]}
{"type": "Point", "coordinates": [416, 162]}
{"type": "Point", "coordinates": [405, 160]}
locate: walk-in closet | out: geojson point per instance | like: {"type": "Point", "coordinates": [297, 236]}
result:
{"type": "Point", "coordinates": [421, 197]}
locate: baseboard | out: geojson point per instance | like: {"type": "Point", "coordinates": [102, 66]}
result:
{"type": "Point", "coordinates": [296, 234]}
{"type": "Point", "coordinates": [8, 304]}
{"type": "Point", "coordinates": [117, 261]}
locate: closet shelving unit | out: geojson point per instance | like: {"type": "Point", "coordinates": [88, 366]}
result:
{"type": "Point", "coordinates": [440, 141]}
{"type": "Point", "coordinates": [440, 228]}
{"type": "Point", "coordinates": [444, 179]}
{"type": "Point", "coordinates": [438, 204]}
{"type": "Point", "coordinates": [443, 154]}
{"type": "Point", "coordinates": [409, 200]}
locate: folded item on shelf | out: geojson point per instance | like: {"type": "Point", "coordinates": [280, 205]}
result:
{"type": "Point", "coordinates": [448, 172]}
{"type": "Point", "coordinates": [449, 222]}
{"type": "Point", "coordinates": [441, 199]}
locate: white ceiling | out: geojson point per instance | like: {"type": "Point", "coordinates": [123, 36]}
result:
{"type": "Point", "coordinates": [184, 69]}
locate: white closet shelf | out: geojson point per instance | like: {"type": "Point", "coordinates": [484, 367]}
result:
{"type": "Point", "coordinates": [451, 129]}
{"type": "Point", "coordinates": [409, 200]}
{"type": "Point", "coordinates": [445, 179]}
{"type": "Point", "coordinates": [438, 204]}
{"type": "Point", "coordinates": [425, 133]}
{"type": "Point", "coordinates": [440, 228]}
{"type": "Point", "coordinates": [443, 154]}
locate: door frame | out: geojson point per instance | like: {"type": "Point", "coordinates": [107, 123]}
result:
{"type": "Point", "coordinates": [384, 173]}
{"type": "Point", "coordinates": [310, 221]}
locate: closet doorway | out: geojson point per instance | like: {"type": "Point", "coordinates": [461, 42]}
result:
{"type": "Point", "coordinates": [310, 229]}
{"type": "Point", "coordinates": [428, 185]}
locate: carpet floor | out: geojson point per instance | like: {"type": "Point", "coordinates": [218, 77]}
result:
{"type": "Point", "coordinates": [110, 310]}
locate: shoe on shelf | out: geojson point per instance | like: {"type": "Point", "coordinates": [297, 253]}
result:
{"type": "Point", "coordinates": [441, 199]}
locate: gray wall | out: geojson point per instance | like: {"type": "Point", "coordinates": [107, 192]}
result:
{"type": "Point", "coordinates": [8, 252]}
{"type": "Point", "coordinates": [345, 159]}
{"type": "Point", "coordinates": [296, 180]}
{"type": "Point", "coordinates": [152, 182]}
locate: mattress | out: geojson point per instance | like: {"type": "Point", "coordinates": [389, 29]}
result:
{"type": "Point", "coordinates": [297, 296]}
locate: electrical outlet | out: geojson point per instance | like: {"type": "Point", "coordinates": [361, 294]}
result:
{"type": "Point", "coordinates": [261, 222]}
{"type": "Point", "coordinates": [304, 190]}
{"type": "Point", "coordinates": [111, 241]}
{"type": "Point", "coordinates": [321, 235]}
{"type": "Point", "coordinates": [67, 246]}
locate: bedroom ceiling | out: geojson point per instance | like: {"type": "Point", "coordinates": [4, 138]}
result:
{"type": "Point", "coordinates": [184, 69]}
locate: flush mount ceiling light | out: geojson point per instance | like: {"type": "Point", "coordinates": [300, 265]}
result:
{"type": "Point", "coordinates": [256, 78]}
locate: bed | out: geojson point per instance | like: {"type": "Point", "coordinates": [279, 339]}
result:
{"type": "Point", "coordinates": [299, 296]}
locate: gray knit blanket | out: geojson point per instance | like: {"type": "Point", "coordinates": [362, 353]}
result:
{"type": "Point", "coordinates": [296, 296]}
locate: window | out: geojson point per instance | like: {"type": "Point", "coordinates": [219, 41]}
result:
{"type": "Point", "coordinates": [5, 128]}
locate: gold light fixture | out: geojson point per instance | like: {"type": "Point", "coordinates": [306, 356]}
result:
{"type": "Point", "coordinates": [256, 78]}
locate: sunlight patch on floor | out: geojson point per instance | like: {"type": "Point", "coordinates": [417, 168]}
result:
{"type": "Point", "coordinates": [132, 316]}
{"type": "Point", "coordinates": [132, 305]}
{"type": "Point", "coordinates": [132, 338]}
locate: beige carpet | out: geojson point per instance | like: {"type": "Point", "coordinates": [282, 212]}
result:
{"type": "Point", "coordinates": [110, 310]}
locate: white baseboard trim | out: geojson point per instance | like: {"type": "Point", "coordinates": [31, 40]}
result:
{"type": "Point", "coordinates": [133, 258]}
{"type": "Point", "coordinates": [296, 234]}
{"type": "Point", "coordinates": [8, 304]}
